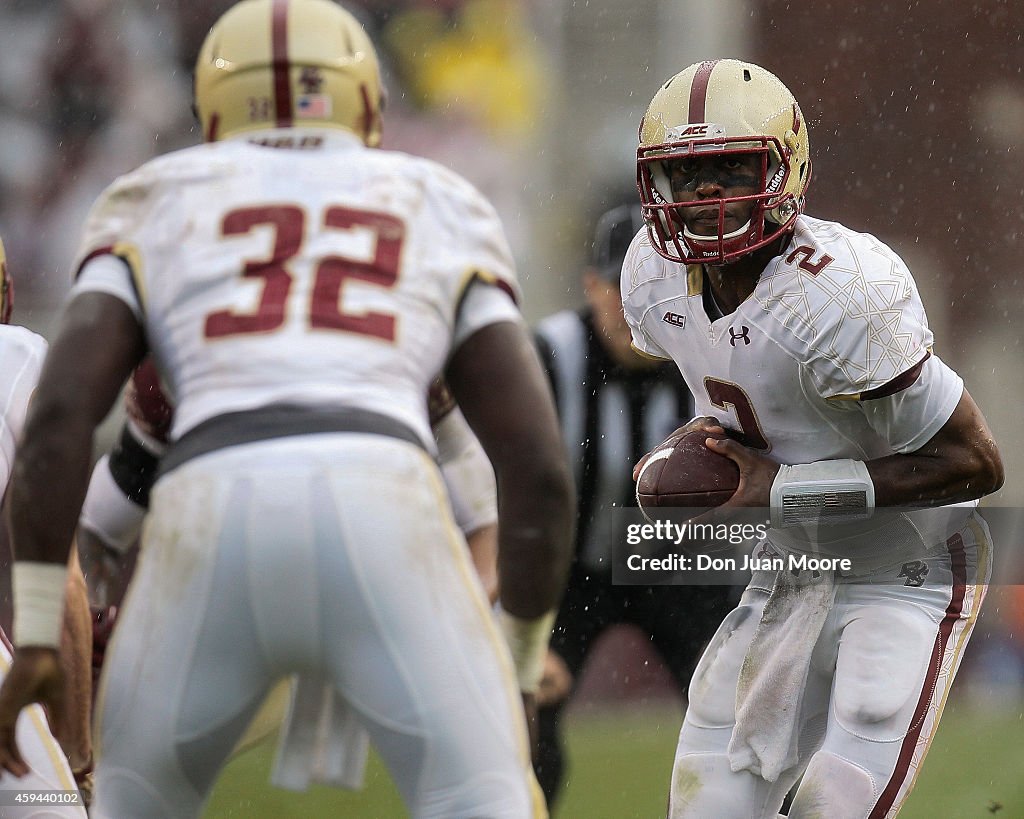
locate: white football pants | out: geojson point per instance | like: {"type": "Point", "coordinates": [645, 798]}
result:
{"type": "Point", "coordinates": [880, 674]}
{"type": "Point", "coordinates": [333, 554]}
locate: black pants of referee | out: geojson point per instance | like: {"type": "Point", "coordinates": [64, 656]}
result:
{"type": "Point", "coordinates": [679, 620]}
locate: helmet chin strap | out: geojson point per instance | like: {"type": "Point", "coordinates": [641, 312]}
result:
{"type": "Point", "coordinates": [725, 237]}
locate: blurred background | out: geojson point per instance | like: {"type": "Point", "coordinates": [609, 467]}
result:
{"type": "Point", "coordinates": [916, 115]}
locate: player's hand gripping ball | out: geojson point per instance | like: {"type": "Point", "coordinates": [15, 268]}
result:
{"type": "Point", "coordinates": [683, 472]}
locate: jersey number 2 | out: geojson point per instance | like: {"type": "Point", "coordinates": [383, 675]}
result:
{"type": "Point", "coordinates": [325, 311]}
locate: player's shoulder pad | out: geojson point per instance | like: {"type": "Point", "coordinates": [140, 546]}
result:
{"type": "Point", "coordinates": [464, 225]}
{"type": "Point", "coordinates": [845, 300]}
{"type": "Point", "coordinates": [830, 275]}
{"type": "Point", "coordinates": [649, 280]}
{"type": "Point", "coordinates": [128, 199]}
{"type": "Point", "coordinates": [643, 267]}
{"type": "Point", "coordinates": [184, 165]}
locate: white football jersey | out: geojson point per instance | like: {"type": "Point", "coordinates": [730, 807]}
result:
{"type": "Point", "coordinates": [830, 357]}
{"type": "Point", "coordinates": [21, 360]}
{"type": "Point", "coordinates": [298, 267]}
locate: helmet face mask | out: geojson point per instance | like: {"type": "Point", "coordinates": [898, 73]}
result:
{"type": "Point", "coordinates": [283, 63]}
{"type": "Point", "coordinates": [713, 111]}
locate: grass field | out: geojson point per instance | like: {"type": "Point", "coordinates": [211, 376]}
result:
{"type": "Point", "coordinates": [620, 761]}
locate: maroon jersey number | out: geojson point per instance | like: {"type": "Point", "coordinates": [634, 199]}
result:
{"type": "Point", "coordinates": [725, 394]}
{"type": "Point", "coordinates": [287, 222]}
{"type": "Point", "coordinates": [326, 310]}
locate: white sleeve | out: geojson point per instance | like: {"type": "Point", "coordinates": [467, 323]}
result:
{"type": "Point", "coordinates": [467, 473]}
{"type": "Point", "coordinates": [108, 274]}
{"type": "Point", "coordinates": [21, 360]}
{"type": "Point", "coordinates": [483, 304]}
{"type": "Point", "coordinates": [908, 419]}
{"type": "Point", "coordinates": [107, 511]}
{"type": "Point", "coordinates": [637, 302]}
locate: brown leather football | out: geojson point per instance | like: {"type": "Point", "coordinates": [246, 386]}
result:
{"type": "Point", "coordinates": [684, 472]}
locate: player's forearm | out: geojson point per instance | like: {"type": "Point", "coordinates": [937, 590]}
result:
{"type": "Point", "coordinates": [536, 515]}
{"type": "Point", "coordinates": [499, 384]}
{"type": "Point", "coordinates": [920, 480]}
{"type": "Point", "coordinates": [48, 485]}
{"type": "Point", "coordinates": [961, 462]}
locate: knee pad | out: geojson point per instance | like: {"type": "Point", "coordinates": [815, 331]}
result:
{"type": "Point", "coordinates": [878, 682]}
{"type": "Point", "coordinates": [834, 787]}
{"type": "Point", "coordinates": [704, 785]}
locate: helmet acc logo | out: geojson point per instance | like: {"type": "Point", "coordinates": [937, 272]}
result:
{"type": "Point", "coordinates": [703, 130]}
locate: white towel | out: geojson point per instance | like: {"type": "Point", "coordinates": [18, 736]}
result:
{"type": "Point", "coordinates": [321, 740]}
{"type": "Point", "coordinates": [770, 689]}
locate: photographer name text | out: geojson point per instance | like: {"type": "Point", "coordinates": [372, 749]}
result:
{"type": "Point", "coordinates": [704, 563]}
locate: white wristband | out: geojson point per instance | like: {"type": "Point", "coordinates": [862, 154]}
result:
{"type": "Point", "coordinates": [108, 513]}
{"type": "Point", "coordinates": [38, 602]}
{"type": "Point", "coordinates": [528, 642]}
{"type": "Point", "coordinates": [824, 492]}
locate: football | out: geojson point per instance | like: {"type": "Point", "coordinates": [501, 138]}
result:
{"type": "Point", "coordinates": [684, 472]}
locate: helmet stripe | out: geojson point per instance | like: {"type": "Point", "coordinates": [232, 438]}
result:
{"type": "Point", "coordinates": [367, 117]}
{"type": "Point", "coordinates": [699, 90]}
{"type": "Point", "coordinates": [279, 55]}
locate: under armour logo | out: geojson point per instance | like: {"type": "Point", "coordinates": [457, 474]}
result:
{"type": "Point", "coordinates": [915, 571]}
{"type": "Point", "coordinates": [734, 336]}
{"type": "Point", "coordinates": [675, 319]}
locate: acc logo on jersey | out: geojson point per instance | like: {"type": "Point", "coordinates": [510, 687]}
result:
{"type": "Point", "coordinates": [675, 319]}
{"type": "Point", "coordinates": [915, 571]}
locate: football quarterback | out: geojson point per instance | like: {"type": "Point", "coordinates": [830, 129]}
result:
{"type": "Point", "coordinates": [810, 340]}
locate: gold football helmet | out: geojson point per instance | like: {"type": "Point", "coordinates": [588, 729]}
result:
{"type": "Point", "coordinates": [6, 288]}
{"type": "Point", "coordinates": [716, 108]}
{"type": "Point", "coordinates": [282, 63]}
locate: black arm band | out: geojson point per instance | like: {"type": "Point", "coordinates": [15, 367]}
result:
{"type": "Point", "coordinates": [133, 468]}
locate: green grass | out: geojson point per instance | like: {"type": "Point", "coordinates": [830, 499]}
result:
{"type": "Point", "coordinates": [620, 761]}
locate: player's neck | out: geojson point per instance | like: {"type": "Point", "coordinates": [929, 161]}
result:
{"type": "Point", "coordinates": [732, 284]}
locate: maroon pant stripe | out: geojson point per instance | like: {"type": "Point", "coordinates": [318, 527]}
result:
{"type": "Point", "coordinates": [958, 560]}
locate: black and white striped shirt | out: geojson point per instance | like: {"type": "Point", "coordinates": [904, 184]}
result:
{"type": "Point", "coordinates": [610, 417]}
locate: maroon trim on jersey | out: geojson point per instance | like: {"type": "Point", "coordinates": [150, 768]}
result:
{"type": "Point", "coordinates": [279, 52]}
{"type": "Point", "coordinates": [958, 564]}
{"type": "Point", "coordinates": [898, 384]}
{"type": "Point", "coordinates": [502, 285]}
{"type": "Point", "coordinates": [213, 127]}
{"type": "Point", "coordinates": [147, 404]}
{"type": "Point", "coordinates": [108, 250]}
{"type": "Point", "coordinates": [699, 91]}
{"type": "Point", "coordinates": [6, 641]}
{"type": "Point", "coordinates": [507, 288]}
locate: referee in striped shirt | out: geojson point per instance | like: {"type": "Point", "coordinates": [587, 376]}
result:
{"type": "Point", "coordinates": [614, 406]}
